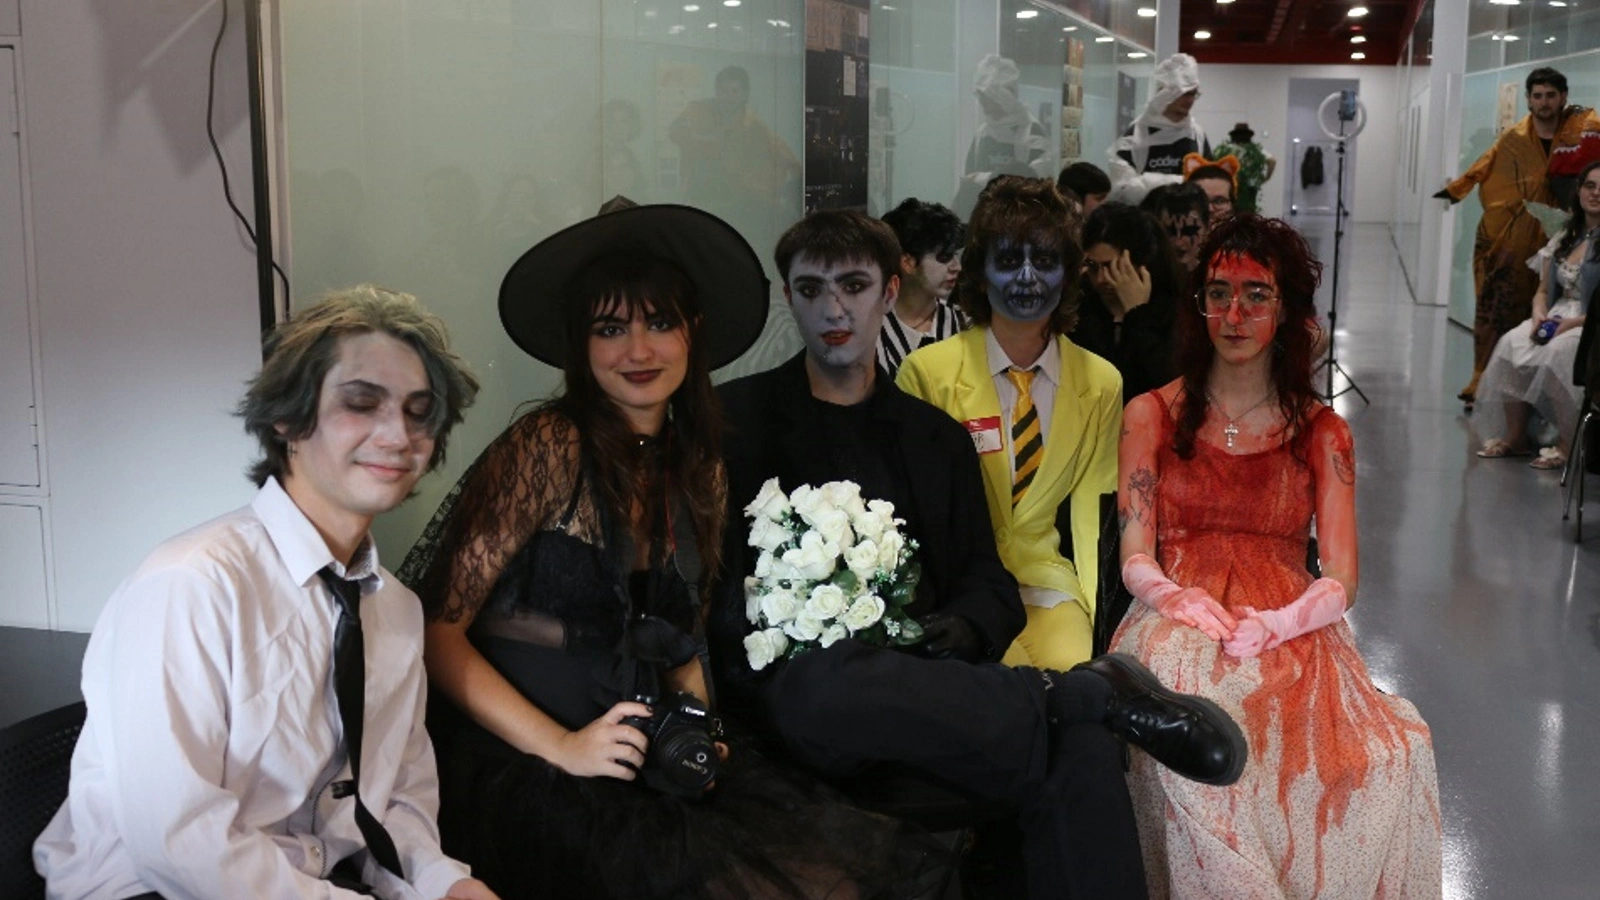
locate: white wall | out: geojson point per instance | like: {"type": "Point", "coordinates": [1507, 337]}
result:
{"type": "Point", "coordinates": [1260, 95]}
{"type": "Point", "coordinates": [146, 291]}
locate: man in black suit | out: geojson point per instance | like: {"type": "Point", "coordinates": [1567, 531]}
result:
{"type": "Point", "coordinates": [1040, 744]}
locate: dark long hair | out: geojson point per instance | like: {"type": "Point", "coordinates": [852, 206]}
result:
{"type": "Point", "coordinates": [1138, 232]}
{"type": "Point", "coordinates": [626, 476]}
{"type": "Point", "coordinates": [1281, 249]}
{"type": "Point", "coordinates": [1577, 225]}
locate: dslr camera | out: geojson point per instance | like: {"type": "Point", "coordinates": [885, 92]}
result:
{"type": "Point", "coordinates": [681, 758]}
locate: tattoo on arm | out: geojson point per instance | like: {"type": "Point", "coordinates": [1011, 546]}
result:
{"type": "Point", "coordinates": [1142, 495]}
{"type": "Point", "coordinates": [1344, 458]}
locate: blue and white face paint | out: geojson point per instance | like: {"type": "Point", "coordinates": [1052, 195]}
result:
{"type": "Point", "coordinates": [1024, 280]}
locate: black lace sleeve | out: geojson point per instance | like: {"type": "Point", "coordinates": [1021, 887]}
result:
{"type": "Point", "coordinates": [522, 483]}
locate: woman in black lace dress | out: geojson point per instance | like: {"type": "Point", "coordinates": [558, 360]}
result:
{"type": "Point", "coordinates": [563, 577]}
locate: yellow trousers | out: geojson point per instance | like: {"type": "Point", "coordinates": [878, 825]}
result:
{"type": "Point", "coordinates": [1056, 637]}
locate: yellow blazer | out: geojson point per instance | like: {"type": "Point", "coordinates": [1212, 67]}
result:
{"type": "Point", "coordinates": [1079, 464]}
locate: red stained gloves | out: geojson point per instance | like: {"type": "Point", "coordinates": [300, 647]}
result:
{"type": "Point", "coordinates": [1323, 603]}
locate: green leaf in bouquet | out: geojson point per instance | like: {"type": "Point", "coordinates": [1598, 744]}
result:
{"type": "Point", "coordinates": [846, 581]}
{"type": "Point", "coordinates": [904, 588]}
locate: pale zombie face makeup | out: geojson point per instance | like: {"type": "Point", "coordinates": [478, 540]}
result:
{"type": "Point", "coordinates": [1238, 336]}
{"type": "Point", "coordinates": [839, 309]}
{"type": "Point", "coordinates": [371, 442]}
{"type": "Point", "coordinates": [1024, 280]}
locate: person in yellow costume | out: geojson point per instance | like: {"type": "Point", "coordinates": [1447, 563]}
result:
{"type": "Point", "coordinates": [1044, 413]}
{"type": "Point", "coordinates": [1509, 175]}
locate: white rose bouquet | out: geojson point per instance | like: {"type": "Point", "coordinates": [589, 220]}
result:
{"type": "Point", "coordinates": [832, 566]}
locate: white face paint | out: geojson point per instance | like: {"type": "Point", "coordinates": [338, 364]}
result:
{"type": "Point", "coordinates": [1024, 280]}
{"type": "Point", "coordinates": [839, 309]}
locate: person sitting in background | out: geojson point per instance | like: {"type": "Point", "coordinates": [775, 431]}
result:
{"type": "Point", "coordinates": [1038, 744]}
{"type": "Point", "coordinates": [1043, 411]}
{"type": "Point", "coordinates": [1184, 211]}
{"type": "Point", "coordinates": [255, 689]}
{"type": "Point", "coordinates": [564, 580]}
{"type": "Point", "coordinates": [1217, 182]}
{"type": "Point", "coordinates": [1088, 182]}
{"type": "Point", "coordinates": [1132, 284]}
{"type": "Point", "coordinates": [1223, 474]}
{"type": "Point", "coordinates": [1532, 364]}
{"type": "Point", "coordinates": [930, 242]}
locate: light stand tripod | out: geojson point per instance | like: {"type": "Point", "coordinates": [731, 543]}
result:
{"type": "Point", "coordinates": [1348, 105]}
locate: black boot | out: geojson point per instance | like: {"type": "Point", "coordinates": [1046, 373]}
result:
{"type": "Point", "coordinates": [1189, 735]}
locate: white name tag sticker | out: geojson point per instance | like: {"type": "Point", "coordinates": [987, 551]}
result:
{"type": "Point", "coordinates": [985, 434]}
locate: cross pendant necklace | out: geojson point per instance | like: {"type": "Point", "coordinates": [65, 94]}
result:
{"type": "Point", "coordinates": [1231, 430]}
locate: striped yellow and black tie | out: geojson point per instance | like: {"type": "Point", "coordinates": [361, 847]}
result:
{"type": "Point", "coordinates": [1027, 445]}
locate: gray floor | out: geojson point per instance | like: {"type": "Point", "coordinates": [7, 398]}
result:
{"type": "Point", "coordinates": [1474, 603]}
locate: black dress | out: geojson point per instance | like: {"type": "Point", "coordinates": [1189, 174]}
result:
{"type": "Point", "coordinates": [520, 545]}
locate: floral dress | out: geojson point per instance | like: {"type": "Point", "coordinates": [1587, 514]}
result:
{"type": "Point", "coordinates": [1339, 798]}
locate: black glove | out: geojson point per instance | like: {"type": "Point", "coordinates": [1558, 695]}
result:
{"type": "Point", "coordinates": [1444, 194]}
{"type": "Point", "coordinates": [946, 636]}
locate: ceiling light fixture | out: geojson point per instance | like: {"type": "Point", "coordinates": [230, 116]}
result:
{"type": "Point", "coordinates": [1202, 35]}
{"type": "Point", "coordinates": [1359, 39]}
{"type": "Point", "coordinates": [1027, 13]}
{"type": "Point", "coordinates": [1146, 12]}
{"type": "Point", "coordinates": [1550, 40]}
{"type": "Point", "coordinates": [1069, 28]}
{"type": "Point", "coordinates": [1138, 54]}
{"type": "Point", "coordinates": [1358, 55]}
{"type": "Point", "coordinates": [1511, 37]}
{"type": "Point", "coordinates": [1357, 12]}
{"type": "Point", "coordinates": [1104, 39]}
{"type": "Point", "coordinates": [711, 24]}
{"type": "Point", "coordinates": [731, 2]}
{"type": "Point", "coordinates": [1505, 2]}
{"type": "Point", "coordinates": [692, 7]}
{"type": "Point", "coordinates": [1558, 3]}
{"type": "Point", "coordinates": [1223, 2]}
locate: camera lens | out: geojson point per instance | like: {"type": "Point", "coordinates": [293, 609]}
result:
{"type": "Point", "coordinates": [686, 755]}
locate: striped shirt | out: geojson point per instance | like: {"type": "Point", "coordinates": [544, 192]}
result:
{"type": "Point", "coordinates": [898, 339]}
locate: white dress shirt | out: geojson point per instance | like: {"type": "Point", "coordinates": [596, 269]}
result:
{"type": "Point", "coordinates": [1043, 389]}
{"type": "Point", "coordinates": [213, 733]}
{"type": "Point", "coordinates": [1046, 379]}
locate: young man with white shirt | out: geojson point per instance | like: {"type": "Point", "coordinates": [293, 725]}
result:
{"type": "Point", "coordinates": [233, 679]}
{"type": "Point", "coordinates": [1044, 413]}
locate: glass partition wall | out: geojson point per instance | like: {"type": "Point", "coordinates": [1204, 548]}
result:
{"type": "Point", "coordinates": [1504, 44]}
{"type": "Point", "coordinates": [427, 143]}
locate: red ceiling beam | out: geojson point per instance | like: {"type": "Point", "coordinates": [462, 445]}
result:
{"type": "Point", "coordinates": [1280, 14]}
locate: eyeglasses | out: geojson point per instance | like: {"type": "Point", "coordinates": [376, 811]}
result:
{"type": "Point", "coordinates": [1220, 202]}
{"type": "Point", "coordinates": [1254, 302]}
{"type": "Point", "coordinates": [1188, 231]}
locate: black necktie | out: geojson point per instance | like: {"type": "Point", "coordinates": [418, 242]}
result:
{"type": "Point", "coordinates": [350, 689]}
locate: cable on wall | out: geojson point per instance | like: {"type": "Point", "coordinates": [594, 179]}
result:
{"type": "Point", "coordinates": [216, 149]}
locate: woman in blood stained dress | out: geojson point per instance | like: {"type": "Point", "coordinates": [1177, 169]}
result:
{"type": "Point", "coordinates": [1223, 472]}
